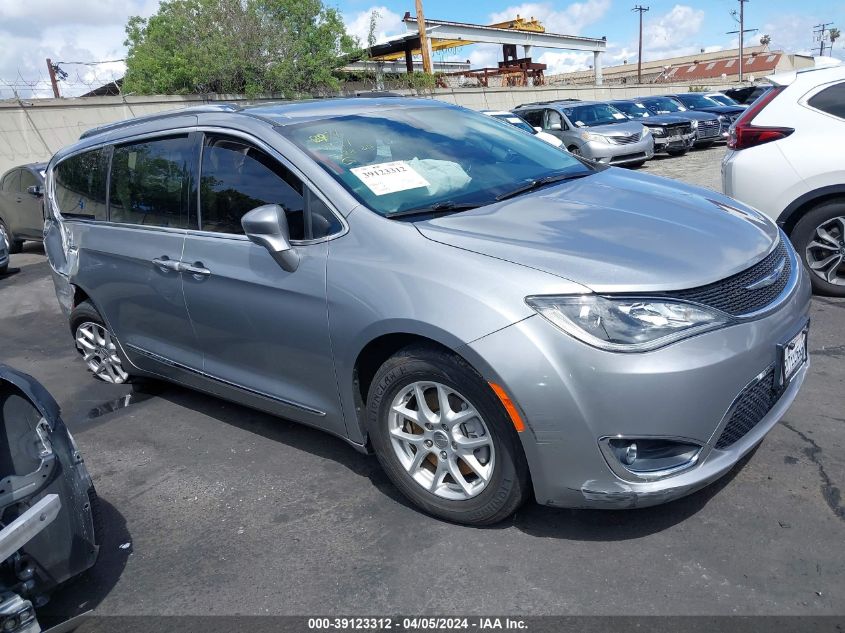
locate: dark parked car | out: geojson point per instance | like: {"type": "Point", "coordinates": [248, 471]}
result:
{"type": "Point", "coordinates": [21, 209]}
{"type": "Point", "coordinates": [672, 133]}
{"type": "Point", "coordinates": [47, 502]}
{"type": "Point", "coordinates": [701, 103]}
{"type": "Point", "coordinates": [706, 125]}
{"type": "Point", "coordinates": [746, 95]}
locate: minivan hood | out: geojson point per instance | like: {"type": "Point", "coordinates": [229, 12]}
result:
{"type": "Point", "coordinates": [615, 129]}
{"type": "Point", "coordinates": [615, 231]}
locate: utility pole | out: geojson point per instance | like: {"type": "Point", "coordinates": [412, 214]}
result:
{"type": "Point", "coordinates": [426, 57]}
{"type": "Point", "coordinates": [819, 31]}
{"type": "Point", "coordinates": [52, 70]}
{"type": "Point", "coordinates": [742, 31]}
{"type": "Point", "coordinates": [641, 10]}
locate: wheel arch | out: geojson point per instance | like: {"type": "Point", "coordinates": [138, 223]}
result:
{"type": "Point", "coordinates": [798, 207]}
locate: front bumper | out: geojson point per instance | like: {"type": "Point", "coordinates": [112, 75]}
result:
{"type": "Point", "coordinates": [609, 154]}
{"type": "Point", "coordinates": [572, 394]}
{"type": "Point", "coordinates": [664, 144]}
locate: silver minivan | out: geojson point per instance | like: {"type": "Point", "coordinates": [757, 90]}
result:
{"type": "Point", "coordinates": [489, 315]}
{"type": "Point", "coordinates": [594, 130]}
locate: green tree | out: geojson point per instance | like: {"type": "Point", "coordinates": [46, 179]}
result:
{"type": "Point", "coordinates": [834, 35]}
{"type": "Point", "coordinates": [236, 46]}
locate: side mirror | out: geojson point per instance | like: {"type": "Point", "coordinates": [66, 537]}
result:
{"type": "Point", "coordinates": [35, 190]}
{"type": "Point", "coordinates": [267, 226]}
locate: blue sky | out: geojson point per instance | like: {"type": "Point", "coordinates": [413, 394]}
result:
{"type": "Point", "coordinates": [93, 30]}
{"type": "Point", "coordinates": [670, 28]}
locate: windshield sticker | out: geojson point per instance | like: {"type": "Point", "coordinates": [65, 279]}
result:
{"type": "Point", "coordinates": [618, 116]}
{"type": "Point", "coordinates": [579, 123]}
{"type": "Point", "coordinates": [385, 178]}
{"type": "Point", "coordinates": [513, 119]}
{"type": "Point", "coordinates": [640, 105]}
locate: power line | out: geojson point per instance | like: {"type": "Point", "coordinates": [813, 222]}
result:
{"type": "Point", "coordinates": [819, 31]}
{"type": "Point", "coordinates": [641, 10]}
{"type": "Point", "coordinates": [742, 31]}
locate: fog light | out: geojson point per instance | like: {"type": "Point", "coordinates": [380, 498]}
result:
{"type": "Point", "coordinates": [649, 457]}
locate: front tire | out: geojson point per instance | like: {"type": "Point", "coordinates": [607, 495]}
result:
{"type": "Point", "coordinates": [13, 245]}
{"type": "Point", "coordinates": [676, 152]}
{"type": "Point", "coordinates": [819, 238]}
{"type": "Point", "coordinates": [444, 439]}
{"type": "Point", "coordinates": [97, 344]}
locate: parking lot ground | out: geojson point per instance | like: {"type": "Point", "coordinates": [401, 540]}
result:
{"type": "Point", "coordinates": [212, 508]}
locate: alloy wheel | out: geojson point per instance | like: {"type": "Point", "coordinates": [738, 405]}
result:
{"type": "Point", "coordinates": [4, 235]}
{"type": "Point", "coordinates": [100, 352]}
{"type": "Point", "coordinates": [442, 441]}
{"type": "Point", "coordinates": [825, 253]}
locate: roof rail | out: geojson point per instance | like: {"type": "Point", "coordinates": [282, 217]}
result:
{"type": "Point", "coordinates": [549, 102]}
{"type": "Point", "coordinates": [117, 125]}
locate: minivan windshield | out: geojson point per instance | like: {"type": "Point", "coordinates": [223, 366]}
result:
{"type": "Point", "coordinates": [694, 100]}
{"type": "Point", "coordinates": [397, 160]}
{"type": "Point", "coordinates": [663, 105]}
{"type": "Point", "coordinates": [592, 115]}
{"type": "Point", "coordinates": [632, 110]}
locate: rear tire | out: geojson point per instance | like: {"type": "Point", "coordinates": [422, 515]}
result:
{"type": "Point", "coordinates": [819, 238]}
{"type": "Point", "coordinates": [97, 345]}
{"type": "Point", "coordinates": [419, 461]}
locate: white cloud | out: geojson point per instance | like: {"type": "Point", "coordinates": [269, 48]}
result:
{"type": "Point", "coordinates": [82, 31]}
{"type": "Point", "coordinates": [565, 62]}
{"type": "Point", "coordinates": [673, 30]}
{"type": "Point", "coordinates": [571, 20]}
{"type": "Point", "coordinates": [388, 23]}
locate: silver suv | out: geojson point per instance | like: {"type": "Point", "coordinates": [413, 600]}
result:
{"type": "Point", "coordinates": [594, 130]}
{"type": "Point", "coordinates": [489, 315]}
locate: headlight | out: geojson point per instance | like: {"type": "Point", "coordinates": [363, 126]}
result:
{"type": "Point", "coordinates": [694, 124]}
{"type": "Point", "coordinates": [646, 130]}
{"type": "Point", "coordinates": [627, 324]}
{"type": "Point", "coordinates": [721, 118]}
{"type": "Point", "coordinates": [658, 131]}
{"type": "Point", "coordinates": [589, 136]}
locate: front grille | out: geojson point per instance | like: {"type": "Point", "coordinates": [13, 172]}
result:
{"type": "Point", "coordinates": [626, 157]}
{"type": "Point", "coordinates": [732, 295]}
{"type": "Point", "coordinates": [707, 129]}
{"type": "Point", "coordinates": [626, 139]}
{"type": "Point", "coordinates": [678, 128]}
{"type": "Point", "coordinates": [751, 406]}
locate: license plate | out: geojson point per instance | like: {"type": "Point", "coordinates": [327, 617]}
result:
{"type": "Point", "coordinates": [794, 355]}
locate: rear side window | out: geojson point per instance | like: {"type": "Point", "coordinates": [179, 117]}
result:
{"type": "Point", "coordinates": [11, 181]}
{"type": "Point", "coordinates": [28, 179]}
{"type": "Point", "coordinates": [237, 177]}
{"type": "Point", "coordinates": [80, 189]}
{"type": "Point", "coordinates": [150, 183]}
{"type": "Point", "coordinates": [830, 100]}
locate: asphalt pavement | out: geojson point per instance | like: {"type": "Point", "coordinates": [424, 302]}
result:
{"type": "Point", "coordinates": [213, 508]}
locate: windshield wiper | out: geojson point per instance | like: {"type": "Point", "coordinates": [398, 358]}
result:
{"type": "Point", "coordinates": [541, 182]}
{"type": "Point", "coordinates": [437, 207]}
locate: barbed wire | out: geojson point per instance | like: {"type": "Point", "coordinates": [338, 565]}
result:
{"type": "Point", "coordinates": [74, 80]}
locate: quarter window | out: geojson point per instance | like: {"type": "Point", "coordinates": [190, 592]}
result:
{"type": "Point", "coordinates": [81, 185]}
{"type": "Point", "coordinates": [237, 177]}
{"type": "Point", "coordinates": [28, 180]}
{"type": "Point", "coordinates": [150, 183]}
{"type": "Point", "coordinates": [830, 100]}
{"type": "Point", "coordinates": [11, 181]}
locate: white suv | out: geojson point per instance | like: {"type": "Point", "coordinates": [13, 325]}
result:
{"type": "Point", "coordinates": [786, 157]}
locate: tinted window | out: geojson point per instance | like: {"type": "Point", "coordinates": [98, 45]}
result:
{"type": "Point", "coordinates": [150, 183]}
{"type": "Point", "coordinates": [534, 117]}
{"type": "Point", "coordinates": [632, 109]}
{"type": "Point", "coordinates": [28, 179]}
{"type": "Point", "coordinates": [831, 100]}
{"type": "Point", "coordinates": [697, 100]}
{"type": "Point", "coordinates": [236, 178]}
{"type": "Point", "coordinates": [11, 181]}
{"type": "Point", "coordinates": [81, 185]}
{"type": "Point", "coordinates": [663, 105]}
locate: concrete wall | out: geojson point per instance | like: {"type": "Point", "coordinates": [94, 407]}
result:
{"type": "Point", "coordinates": [32, 131]}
